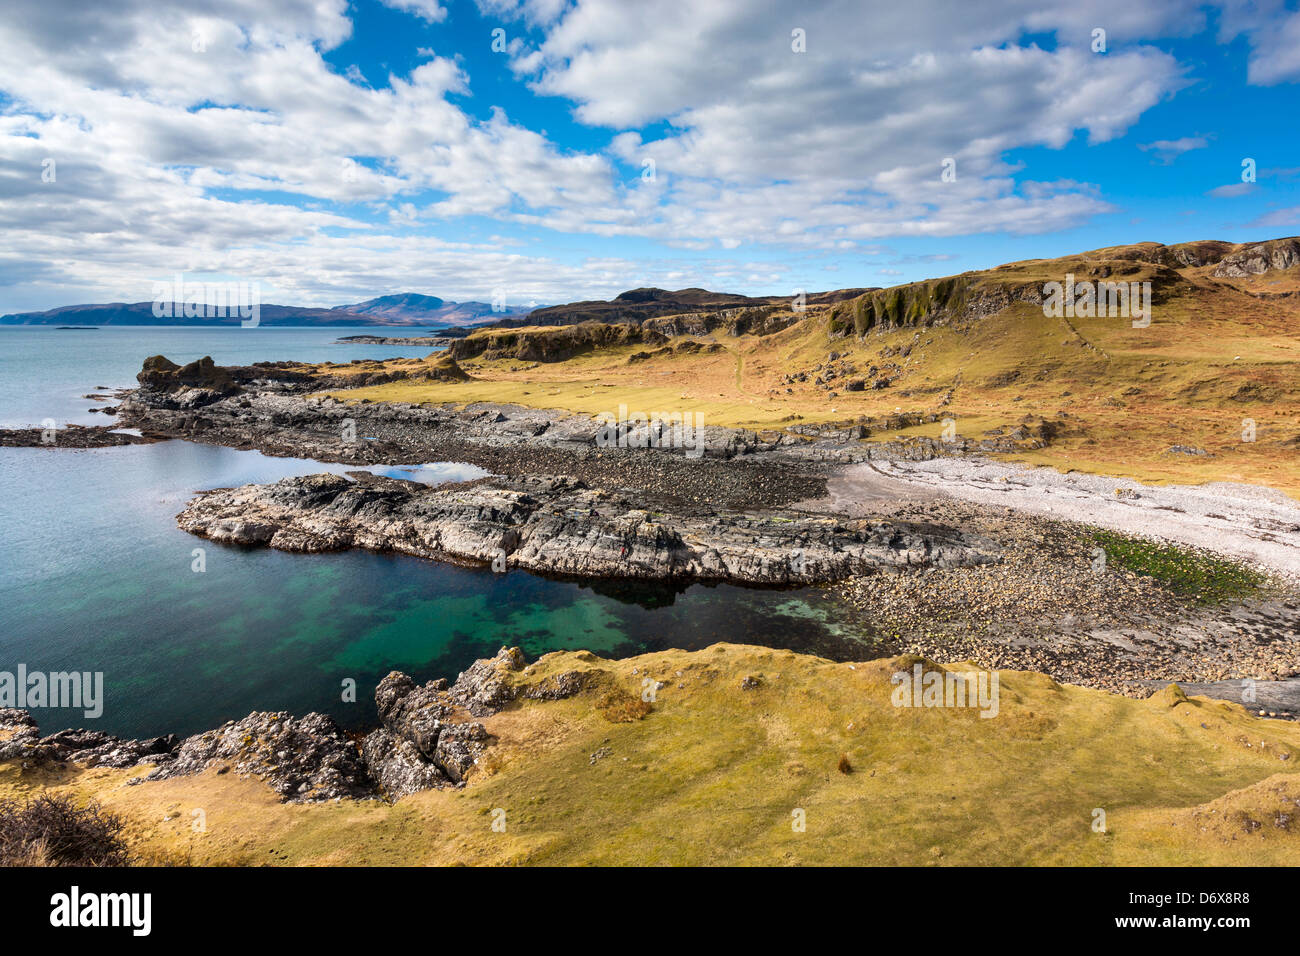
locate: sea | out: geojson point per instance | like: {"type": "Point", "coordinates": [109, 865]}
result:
{"type": "Point", "coordinates": [95, 577]}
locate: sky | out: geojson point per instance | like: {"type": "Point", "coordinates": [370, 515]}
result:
{"type": "Point", "coordinates": [554, 150]}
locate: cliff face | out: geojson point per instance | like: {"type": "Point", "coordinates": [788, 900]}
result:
{"type": "Point", "coordinates": [761, 320]}
{"type": "Point", "coordinates": [553, 345]}
{"type": "Point", "coordinates": [930, 302]}
{"type": "Point", "coordinates": [975, 295]}
{"type": "Point", "coordinates": [1260, 257]}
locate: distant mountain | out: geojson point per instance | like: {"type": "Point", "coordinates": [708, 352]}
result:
{"type": "Point", "coordinates": [403, 309]}
{"type": "Point", "coordinates": [412, 308]}
{"type": "Point", "coordinates": [141, 313]}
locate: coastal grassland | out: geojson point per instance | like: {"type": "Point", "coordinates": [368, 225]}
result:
{"type": "Point", "coordinates": [1213, 364]}
{"type": "Point", "coordinates": [713, 772]}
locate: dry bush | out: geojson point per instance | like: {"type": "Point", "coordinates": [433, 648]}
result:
{"type": "Point", "coordinates": [54, 831]}
{"type": "Point", "coordinates": [619, 707]}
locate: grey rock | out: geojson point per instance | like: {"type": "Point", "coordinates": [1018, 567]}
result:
{"type": "Point", "coordinates": [398, 767]}
{"type": "Point", "coordinates": [305, 759]}
{"type": "Point", "coordinates": [561, 526]}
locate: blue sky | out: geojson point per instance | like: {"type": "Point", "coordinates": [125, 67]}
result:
{"type": "Point", "coordinates": [333, 151]}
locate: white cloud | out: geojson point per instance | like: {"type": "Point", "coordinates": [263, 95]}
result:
{"type": "Point", "coordinates": [1167, 150]}
{"type": "Point", "coordinates": [429, 11]}
{"type": "Point", "coordinates": [177, 130]}
{"type": "Point", "coordinates": [1273, 32]}
{"type": "Point", "coordinates": [846, 139]}
{"type": "Point", "coordinates": [1231, 190]}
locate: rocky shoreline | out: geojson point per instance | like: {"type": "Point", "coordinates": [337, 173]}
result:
{"type": "Point", "coordinates": [998, 585]}
{"type": "Point", "coordinates": [430, 737]}
{"type": "Point", "coordinates": [433, 341]}
{"type": "Point", "coordinates": [562, 526]}
{"type": "Point", "coordinates": [74, 436]}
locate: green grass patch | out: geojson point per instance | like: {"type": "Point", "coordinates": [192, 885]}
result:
{"type": "Point", "coordinates": [1199, 576]}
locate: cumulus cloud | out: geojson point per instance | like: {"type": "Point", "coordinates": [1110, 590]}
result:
{"type": "Point", "coordinates": [846, 138]}
{"type": "Point", "coordinates": [1273, 32]}
{"type": "Point", "coordinates": [216, 134]}
{"type": "Point", "coordinates": [429, 11]}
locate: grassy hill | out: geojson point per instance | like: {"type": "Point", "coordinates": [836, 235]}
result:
{"type": "Point", "coordinates": [1218, 354]}
{"type": "Point", "coordinates": [740, 738]}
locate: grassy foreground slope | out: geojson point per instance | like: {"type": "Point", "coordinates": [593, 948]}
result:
{"type": "Point", "coordinates": [1219, 357]}
{"type": "Point", "coordinates": [713, 773]}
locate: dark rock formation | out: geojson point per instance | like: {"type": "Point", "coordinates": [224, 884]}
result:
{"type": "Point", "coordinates": [20, 739]}
{"type": "Point", "coordinates": [637, 305]}
{"type": "Point", "coordinates": [74, 436]}
{"type": "Point", "coordinates": [427, 739]}
{"type": "Point", "coordinates": [398, 767]}
{"type": "Point", "coordinates": [304, 759]}
{"type": "Point", "coordinates": [554, 345]}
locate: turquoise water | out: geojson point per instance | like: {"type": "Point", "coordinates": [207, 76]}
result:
{"type": "Point", "coordinates": [95, 576]}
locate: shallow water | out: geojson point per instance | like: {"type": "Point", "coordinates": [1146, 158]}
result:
{"type": "Point", "coordinates": [95, 576]}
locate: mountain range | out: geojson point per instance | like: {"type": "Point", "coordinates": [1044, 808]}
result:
{"type": "Point", "coordinates": [401, 309]}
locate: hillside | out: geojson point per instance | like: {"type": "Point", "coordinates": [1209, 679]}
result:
{"type": "Point", "coordinates": [142, 313]}
{"type": "Point", "coordinates": [638, 305]}
{"type": "Point", "coordinates": [1207, 391]}
{"type": "Point", "coordinates": [601, 778]}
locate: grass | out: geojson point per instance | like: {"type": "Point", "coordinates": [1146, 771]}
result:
{"type": "Point", "coordinates": [1198, 576]}
{"type": "Point", "coordinates": [713, 774]}
{"type": "Point", "coordinates": [1212, 360]}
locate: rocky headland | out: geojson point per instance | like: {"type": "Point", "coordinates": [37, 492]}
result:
{"type": "Point", "coordinates": [428, 738]}
{"type": "Point", "coordinates": [562, 526]}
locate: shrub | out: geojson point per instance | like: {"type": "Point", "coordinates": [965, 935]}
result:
{"type": "Point", "coordinates": [54, 831]}
{"type": "Point", "coordinates": [622, 708]}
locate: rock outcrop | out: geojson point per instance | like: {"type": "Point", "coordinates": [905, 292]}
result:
{"type": "Point", "coordinates": [427, 738]}
{"type": "Point", "coordinates": [303, 759]}
{"type": "Point", "coordinates": [1258, 258]}
{"type": "Point", "coordinates": [20, 739]}
{"type": "Point", "coordinates": [553, 345]}
{"type": "Point", "coordinates": [562, 526]}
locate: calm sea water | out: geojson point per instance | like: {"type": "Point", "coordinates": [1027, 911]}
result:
{"type": "Point", "coordinates": [95, 576]}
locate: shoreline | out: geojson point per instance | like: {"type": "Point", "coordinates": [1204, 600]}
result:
{"type": "Point", "coordinates": [816, 507]}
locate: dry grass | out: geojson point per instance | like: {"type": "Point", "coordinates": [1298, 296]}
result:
{"type": "Point", "coordinates": [1212, 360]}
{"type": "Point", "coordinates": [713, 775]}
